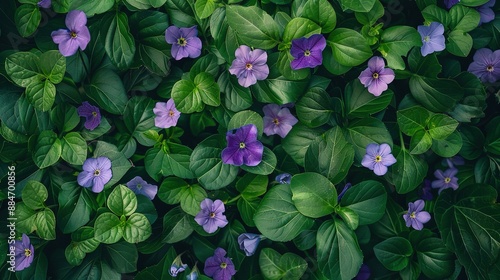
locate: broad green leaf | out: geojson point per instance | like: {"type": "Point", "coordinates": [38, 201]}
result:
{"type": "Point", "coordinates": [434, 13]}
{"type": "Point", "coordinates": [237, 98]}
{"type": "Point", "coordinates": [207, 64]}
{"type": "Point", "coordinates": [42, 95]}
{"type": "Point", "coordinates": [313, 195]}
{"type": "Point", "coordinates": [371, 16]}
{"type": "Point", "coordinates": [198, 122]}
{"type": "Point", "coordinates": [357, 5]}
{"type": "Point", "coordinates": [207, 88]}
{"type": "Point", "coordinates": [139, 118]}
{"type": "Point", "coordinates": [420, 142]}
{"type": "Point", "coordinates": [441, 126]}
{"type": "Point", "coordinates": [225, 37]}
{"type": "Point", "coordinates": [191, 197]}
{"type": "Point", "coordinates": [474, 100]}
{"type": "Point", "coordinates": [53, 66]}
{"type": "Point", "coordinates": [161, 270]}
{"type": "Point", "coordinates": [360, 103]}
{"type": "Point", "coordinates": [91, 7]}
{"type": "Point", "coordinates": [266, 166]}
{"type": "Point", "coordinates": [434, 259]}
{"type": "Point", "coordinates": [160, 163]}
{"type": "Point", "coordinates": [252, 185]}
{"type": "Point", "coordinates": [298, 28]}
{"type": "Point", "coordinates": [395, 42]}
{"type": "Point", "coordinates": [45, 222]}
{"type": "Point", "coordinates": [137, 228]}
{"type": "Point", "coordinates": [34, 195]}
{"type": "Point", "coordinates": [298, 141]}
{"type": "Point", "coordinates": [246, 117]}
{"type": "Point", "coordinates": [448, 146]}
{"type": "Point", "coordinates": [314, 108]}
{"type": "Point", "coordinates": [408, 172]}
{"type": "Point", "coordinates": [75, 206]}
{"type": "Point", "coordinates": [122, 256]}
{"type": "Point", "coordinates": [492, 139]}
{"type": "Point", "coordinates": [463, 18]}
{"type": "Point", "coordinates": [394, 253]}
{"type": "Point", "coordinates": [437, 95]}
{"type": "Point", "coordinates": [275, 266]}
{"type": "Point", "coordinates": [23, 69]}
{"type": "Point", "coordinates": [413, 119]}
{"type": "Point", "coordinates": [172, 189]}
{"type": "Point", "coordinates": [65, 117]}
{"type": "Point", "coordinates": [73, 148]}
{"type": "Point", "coordinates": [427, 66]}
{"type": "Point", "coordinates": [350, 218]}
{"type": "Point", "coordinates": [391, 224]}
{"type": "Point", "coordinates": [279, 90]}
{"type": "Point", "coordinates": [321, 12]}
{"type": "Point", "coordinates": [25, 218]}
{"type": "Point", "coordinates": [122, 201]}
{"type": "Point", "coordinates": [204, 8]}
{"type": "Point", "coordinates": [361, 132]}
{"type": "Point", "coordinates": [459, 43]}
{"type": "Point", "coordinates": [82, 242]}
{"type": "Point", "coordinates": [367, 199]}
{"type": "Point", "coordinates": [349, 47]}
{"type": "Point", "coordinates": [108, 228]}
{"type": "Point", "coordinates": [472, 142]}
{"type": "Point", "coordinates": [106, 89]}
{"type": "Point", "coordinates": [145, 4]}
{"type": "Point", "coordinates": [119, 163]}
{"type": "Point", "coordinates": [228, 239]}
{"type": "Point", "coordinates": [27, 19]}
{"type": "Point", "coordinates": [247, 209]}
{"type": "Point", "coordinates": [187, 97]}
{"type": "Point", "coordinates": [47, 150]}
{"type": "Point", "coordinates": [119, 43]}
{"type": "Point", "coordinates": [176, 226]}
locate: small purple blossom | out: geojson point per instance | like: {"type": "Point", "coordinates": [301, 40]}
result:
{"type": "Point", "coordinates": [284, 178]}
{"type": "Point", "coordinates": [455, 160]}
{"type": "Point", "coordinates": [450, 3]}
{"type": "Point", "coordinates": [249, 242]}
{"type": "Point", "coordinates": [278, 120]}
{"type": "Point", "coordinates": [415, 217]}
{"type": "Point", "coordinates": [432, 38]}
{"type": "Point", "coordinates": [177, 266]}
{"type": "Point", "coordinates": [76, 35]}
{"type": "Point", "coordinates": [211, 215]}
{"type": "Point", "coordinates": [307, 51]}
{"type": "Point", "coordinates": [249, 66]}
{"type": "Point", "coordinates": [344, 190]}
{"type": "Point", "coordinates": [139, 186]}
{"type": "Point", "coordinates": [243, 147]}
{"type": "Point", "coordinates": [486, 65]}
{"type": "Point", "coordinates": [426, 191]}
{"type": "Point", "coordinates": [445, 180]}
{"type": "Point", "coordinates": [24, 253]}
{"type": "Point", "coordinates": [363, 273]}
{"type": "Point", "coordinates": [485, 12]}
{"type": "Point", "coordinates": [96, 173]}
{"type": "Point", "coordinates": [45, 3]}
{"type": "Point", "coordinates": [377, 158]}
{"type": "Point", "coordinates": [91, 114]}
{"type": "Point", "coordinates": [219, 267]}
{"type": "Point", "coordinates": [376, 77]}
{"type": "Point", "coordinates": [184, 41]}
{"type": "Point", "coordinates": [166, 114]}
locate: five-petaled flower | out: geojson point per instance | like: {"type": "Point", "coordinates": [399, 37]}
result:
{"type": "Point", "coordinates": [91, 113]}
{"type": "Point", "coordinates": [44, 3]}
{"type": "Point", "coordinates": [432, 38]}
{"type": "Point", "coordinates": [446, 179]}
{"type": "Point", "coordinates": [166, 114]}
{"type": "Point", "coordinates": [486, 65]}
{"type": "Point", "coordinates": [376, 77]}
{"type": "Point", "coordinates": [249, 66]}
{"type": "Point", "coordinates": [278, 120]}
{"type": "Point", "coordinates": [485, 12]}
{"type": "Point", "coordinates": [211, 215]}
{"type": "Point", "coordinates": [307, 52]}
{"type": "Point", "coordinates": [248, 242]}
{"type": "Point", "coordinates": [185, 42]}
{"type": "Point", "coordinates": [139, 186]}
{"type": "Point", "coordinates": [378, 157]}
{"type": "Point", "coordinates": [219, 267]}
{"type": "Point", "coordinates": [243, 147]}
{"type": "Point", "coordinates": [96, 173]}
{"type": "Point", "coordinates": [76, 35]}
{"type": "Point", "coordinates": [415, 217]}
{"type": "Point", "coordinates": [177, 266]}
{"type": "Point", "coordinates": [284, 178]}
{"type": "Point", "coordinates": [24, 253]}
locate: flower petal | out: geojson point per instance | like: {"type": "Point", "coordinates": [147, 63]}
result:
{"type": "Point", "coordinates": [75, 20]}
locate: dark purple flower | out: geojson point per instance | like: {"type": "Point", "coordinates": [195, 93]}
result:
{"type": "Point", "coordinates": [450, 3]}
{"type": "Point", "coordinates": [24, 253]}
{"type": "Point", "coordinates": [415, 217]}
{"type": "Point", "coordinates": [376, 77]}
{"type": "Point", "coordinates": [211, 215]}
{"type": "Point", "coordinates": [249, 66]}
{"type": "Point", "coordinates": [486, 65]}
{"type": "Point", "coordinates": [96, 173]}
{"type": "Point", "coordinates": [185, 42]}
{"type": "Point", "coordinates": [278, 120]}
{"type": "Point", "coordinates": [139, 186]}
{"type": "Point", "coordinates": [166, 114]}
{"type": "Point", "coordinates": [249, 242]}
{"type": "Point", "coordinates": [177, 266]}
{"type": "Point", "coordinates": [284, 178]}
{"type": "Point", "coordinates": [45, 3]}
{"type": "Point", "coordinates": [92, 115]}
{"type": "Point", "coordinates": [219, 267]}
{"type": "Point", "coordinates": [432, 38]}
{"type": "Point", "coordinates": [364, 273]}
{"type": "Point", "coordinates": [485, 12]}
{"type": "Point", "coordinates": [76, 35]}
{"type": "Point", "coordinates": [445, 180]}
{"type": "Point", "coordinates": [377, 158]}
{"type": "Point", "coordinates": [426, 191]}
{"type": "Point", "coordinates": [455, 160]}
{"type": "Point", "coordinates": [346, 187]}
{"type": "Point", "coordinates": [307, 52]}
{"type": "Point", "coordinates": [243, 147]}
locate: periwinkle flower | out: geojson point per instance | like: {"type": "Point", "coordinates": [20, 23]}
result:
{"type": "Point", "coordinates": [278, 120]}
{"type": "Point", "coordinates": [96, 173]}
{"type": "Point", "coordinates": [91, 114]}
{"type": "Point", "coordinates": [45, 3]}
{"type": "Point", "coordinates": [376, 77]}
{"type": "Point", "coordinates": [24, 253]}
{"type": "Point", "coordinates": [486, 65]}
{"type": "Point", "coordinates": [485, 12]}
{"type": "Point", "coordinates": [344, 190]}
{"type": "Point", "coordinates": [219, 267]}
{"type": "Point", "coordinates": [307, 52]}
{"type": "Point", "coordinates": [432, 38]}
{"type": "Point", "coordinates": [284, 178]}
{"type": "Point", "coordinates": [455, 160]}
{"type": "Point", "coordinates": [378, 157]}
{"type": "Point", "coordinates": [139, 186]}
{"type": "Point", "coordinates": [415, 217]}
{"type": "Point", "coordinates": [249, 242]}
{"type": "Point", "coordinates": [76, 35]}
{"type": "Point", "coordinates": [177, 266]}
{"type": "Point", "coordinates": [450, 3]}
{"type": "Point", "coordinates": [185, 42]}
{"type": "Point", "coordinates": [211, 216]}
{"type": "Point", "coordinates": [243, 147]}
{"type": "Point", "coordinates": [249, 66]}
{"type": "Point", "coordinates": [446, 179]}
{"type": "Point", "coordinates": [364, 273]}
{"type": "Point", "coordinates": [166, 114]}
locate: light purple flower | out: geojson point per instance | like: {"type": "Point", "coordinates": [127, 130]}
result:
{"type": "Point", "coordinates": [76, 35]}
{"type": "Point", "coordinates": [363, 273]}
{"type": "Point", "coordinates": [284, 178]}
{"type": "Point", "coordinates": [344, 190]}
{"type": "Point", "coordinates": [243, 147]}
{"type": "Point", "coordinates": [278, 120]}
{"type": "Point", "coordinates": [249, 66]}
{"type": "Point", "coordinates": [432, 38]}
{"type": "Point", "coordinates": [24, 253]}
{"type": "Point", "coordinates": [415, 217]}
{"type": "Point", "coordinates": [91, 113]}
{"type": "Point", "coordinates": [177, 266]}
{"type": "Point", "coordinates": [96, 173]}
{"type": "Point", "coordinates": [486, 65]}
{"type": "Point", "coordinates": [485, 12]}
{"type": "Point", "coordinates": [166, 114]}
{"type": "Point", "coordinates": [450, 3]}
{"type": "Point", "coordinates": [455, 160]}
{"type": "Point", "coordinates": [248, 242]}
{"type": "Point", "coordinates": [139, 186]}
{"type": "Point", "coordinates": [45, 3]}
{"type": "Point", "coordinates": [376, 77]}
{"type": "Point", "coordinates": [185, 42]}
{"type": "Point", "coordinates": [307, 51]}
{"type": "Point", "coordinates": [445, 180]}
{"type": "Point", "coordinates": [426, 191]}
{"type": "Point", "coordinates": [219, 267]}
{"type": "Point", "coordinates": [211, 215]}
{"type": "Point", "coordinates": [377, 158]}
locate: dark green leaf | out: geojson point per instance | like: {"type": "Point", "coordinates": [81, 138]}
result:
{"type": "Point", "coordinates": [394, 253]}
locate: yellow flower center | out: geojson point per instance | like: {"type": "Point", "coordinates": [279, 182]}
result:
{"type": "Point", "coordinates": [27, 252]}
{"type": "Point", "coordinates": [307, 53]}
{"type": "Point", "coordinates": [242, 145]}
{"type": "Point", "coordinates": [171, 113]}
{"type": "Point", "coordinates": [427, 38]}
{"type": "Point", "coordinates": [73, 34]}
{"type": "Point", "coordinates": [182, 42]}
{"type": "Point", "coordinates": [375, 75]}
{"type": "Point", "coordinates": [94, 114]}
{"type": "Point", "coordinates": [248, 66]}
{"type": "Point", "coordinates": [276, 121]}
{"type": "Point", "coordinates": [413, 215]}
{"type": "Point", "coordinates": [447, 180]}
{"type": "Point", "coordinates": [97, 172]}
{"type": "Point", "coordinates": [378, 158]}
{"type": "Point", "coordinates": [490, 68]}
{"type": "Point", "coordinates": [223, 265]}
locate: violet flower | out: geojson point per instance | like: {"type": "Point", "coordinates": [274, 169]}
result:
{"type": "Point", "coordinates": [455, 160]}
{"type": "Point", "coordinates": [249, 66]}
{"type": "Point", "coordinates": [432, 38]}
{"type": "Point", "coordinates": [307, 51]}
{"type": "Point", "coordinates": [96, 173]}
{"type": "Point", "coordinates": [91, 113]}
{"type": "Point", "coordinates": [76, 35]}
{"type": "Point", "coordinates": [376, 77]}
{"type": "Point", "coordinates": [177, 266]}
{"type": "Point", "coordinates": [364, 273]}
{"type": "Point", "coordinates": [445, 180]}
{"type": "Point", "coordinates": [278, 120]}
{"type": "Point", "coordinates": [139, 186]}
{"type": "Point", "coordinates": [45, 3]}
{"type": "Point", "coordinates": [185, 42]}
{"type": "Point", "coordinates": [166, 114]}
{"type": "Point", "coordinates": [485, 12]}
{"type": "Point", "coordinates": [486, 65]}
{"type": "Point", "coordinates": [415, 217]}
{"type": "Point", "coordinates": [243, 147]}
{"type": "Point", "coordinates": [284, 178]}
{"type": "Point", "coordinates": [450, 3]}
{"type": "Point", "coordinates": [377, 158]}
{"type": "Point", "coordinates": [24, 253]}
{"type": "Point", "coordinates": [248, 242]}
{"type": "Point", "coordinates": [219, 267]}
{"type": "Point", "coordinates": [426, 191]}
{"type": "Point", "coordinates": [211, 215]}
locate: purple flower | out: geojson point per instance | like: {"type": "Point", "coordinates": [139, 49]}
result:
{"type": "Point", "coordinates": [284, 178]}
{"type": "Point", "coordinates": [92, 115]}
{"type": "Point", "coordinates": [243, 147]}
{"type": "Point", "coordinates": [432, 38]}
{"type": "Point", "coordinates": [249, 66]}
{"type": "Point", "coordinates": [364, 273]}
{"type": "Point", "coordinates": [376, 77]}
{"type": "Point", "coordinates": [455, 160]}
{"type": "Point", "coordinates": [96, 173]}
{"type": "Point", "coordinates": [486, 65]}
{"type": "Point", "coordinates": [45, 3]}
{"type": "Point", "coordinates": [211, 215]}
{"type": "Point", "coordinates": [485, 12]}
{"type": "Point", "coordinates": [426, 191]}
{"type": "Point", "coordinates": [139, 186]}
{"type": "Point", "coordinates": [278, 120]}
{"type": "Point", "coordinates": [307, 52]}
{"type": "Point", "coordinates": [177, 266]}
{"type": "Point", "coordinates": [377, 158]}
{"type": "Point", "coordinates": [249, 242]}
{"type": "Point", "coordinates": [24, 253]}
{"type": "Point", "coordinates": [415, 217]}
{"type": "Point", "coordinates": [166, 114]}
{"type": "Point", "coordinates": [76, 35]}
{"type": "Point", "coordinates": [346, 187]}
{"type": "Point", "coordinates": [445, 180]}
{"type": "Point", "coordinates": [185, 42]}
{"type": "Point", "coordinates": [450, 3]}
{"type": "Point", "coordinates": [219, 267]}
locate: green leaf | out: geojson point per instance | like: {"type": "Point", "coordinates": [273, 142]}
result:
{"type": "Point", "coordinates": [139, 118]}
{"type": "Point", "coordinates": [146, 4]}
{"type": "Point", "coordinates": [492, 139]}
{"type": "Point", "coordinates": [42, 95]}
{"type": "Point", "coordinates": [198, 122]}
{"type": "Point", "coordinates": [394, 253]}
{"type": "Point", "coordinates": [119, 43]}
{"type": "Point", "coordinates": [207, 64]}
{"type": "Point", "coordinates": [275, 266]}
{"type": "Point", "coordinates": [225, 37]}
{"type": "Point", "coordinates": [237, 98]}
{"type": "Point", "coordinates": [75, 206]}
{"type": "Point", "coordinates": [247, 209]}
{"type": "Point", "coordinates": [91, 7]}
{"type": "Point", "coordinates": [313, 195]}
{"type": "Point", "coordinates": [171, 190]}
{"type": "Point", "coordinates": [45, 222]}
{"type": "Point", "coordinates": [360, 103]}
{"type": "Point", "coordinates": [298, 141]}
{"type": "Point", "coordinates": [349, 47]}
{"type": "Point", "coordinates": [246, 117]}
{"type": "Point", "coordinates": [434, 259]}
{"type": "Point", "coordinates": [187, 97]}
{"type": "Point", "coordinates": [34, 195]}
{"type": "Point", "coordinates": [459, 43]}
{"type": "Point", "coordinates": [53, 66]}
{"type": "Point", "coordinates": [413, 119]}
{"type": "Point", "coordinates": [229, 240]}
{"type": "Point", "coordinates": [474, 100]}
{"type": "Point", "coordinates": [122, 256]}
{"type": "Point", "coordinates": [395, 42]}
{"type": "Point", "coordinates": [448, 146]}
{"type": "Point", "coordinates": [472, 142]}
{"type": "Point", "coordinates": [391, 224]}
{"type": "Point", "coordinates": [207, 88]}
{"type": "Point", "coordinates": [283, 65]}
{"type": "Point", "coordinates": [441, 126]}
{"type": "Point", "coordinates": [204, 8]}
{"type": "Point", "coordinates": [349, 217]}
{"type": "Point", "coordinates": [426, 66]}
{"type": "Point", "coordinates": [314, 108]}
{"type": "Point", "coordinates": [321, 12]}
{"type": "Point", "coordinates": [357, 5]}
{"type": "Point", "coordinates": [25, 218]}
{"type": "Point", "coordinates": [370, 17]}
{"type": "Point", "coordinates": [437, 95]}
{"type": "Point", "coordinates": [266, 166]}
{"type": "Point", "coordinates": [122, 201]}
{"type": "Point", "coordinates": [27, 19]}
{"type": "Point", "coordinates": [279, 90]}
{"type": "Point", "coordinates": [22, 68]}
{"type": "Point", "coordinates": [106, 89]}
{"type": "Point", "coordinates": [176, 226]}
{"type": "Point", "coordinates": [298, 28]}
{"type": "Point", "coordinates": [434, 13]}
{"type": "Point", "coordinates": [463, 18]}
{"type": "Point", "coordinates": [367, 199]}
{"type": "Point", "coordinates": [108, 228]}
{"type": "Point", "coordinates": [47, 150]}
{"type": "Point", "coordinates": [362, 132]}
{"type": "Point", "coordinates": [65, 117]}
{"type": "Point", "coordinates": [420, 142]}
{"type": "Point", "coordinates": [408, 172]}
{"type": "Point", "coordinates": [82, 242]}
{"type": "Point", "coordinates": [119, 163]}
{"type": "Point", "coordinates": [137, 228]}
{"type": "Point", "coordinates": [252, 185]}
{"type": "Point", "coordinates": [73, 148]}
{"type": "Point", "coordinates": [190, 199]}
{"type": "Point", "coordinates": [159, 163]}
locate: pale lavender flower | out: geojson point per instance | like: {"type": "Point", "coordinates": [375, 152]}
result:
{"type": "Point", "coordinates": [307, 52]}
{"type": "Point", "coordinates": [185, 42]}
{"type": "Point", "coordinates": [278, 120]}
{"type": "Point", "coordinates": [45, 3]}
{"type": "Point", "coordinates": [76, 35]}
{"type": "Point", "coordinates": [211, 215]}
{"type": "Point", "coordinates": [284, 178]}
{"type": "Point", "coordinates": [24, 253]}
{"type": "Point", "coordinates": [139, 186]}
{"type": "Point", "coordinates": [249, 242]}
{"type": "Point", "coordinates": [376, 77]}
{"type": "Point", "coordinates": [249, 66]}
{"type": "Point", "coordinates": [177, 266]}
{"type": "Point", "coordinates": [91, 114]}
{"type": "Point", "coordinates": [485, 12]}
{"type": "Point", "coordinates": [432, 38]}
{"type": "Point", "coordinates": [166, 114]}
{"type": "Point", "coordinates": [243, 147]}
{"type": "Point", "coordinates": [219, 267]}
{"type": "Point", "coordinates": [445, 180]}
{"type": "Point", "coordinates": [486, 65]}
{"type": "Point", "coordinates": [96, 173]}
{"type": "Point", "coordinates": [450, 3]}
{"type": "Point", "coordinates": [377, 158]}
{"type": "Point", "coordinates": [415, 217]}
